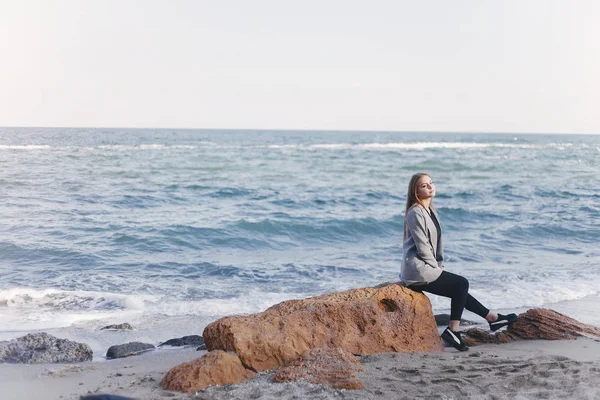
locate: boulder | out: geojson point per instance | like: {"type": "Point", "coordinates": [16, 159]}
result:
{"type": "Point", "coordinates": [42, 348]}
{"type": "Point", "coordinates": [363, 321]}
{"type": "Point", "coordinates": [192, 340]}
{"type": "Point", "coordinates": [534, 324]}
{"type": "Point", "coordinates": [327, 366]}
{"type": "Point", "coordinates": [118, 327]}
{"type": "Point", "coordinates": [214, 368]}
{"type": "Point", "coordinates": [128, 349]}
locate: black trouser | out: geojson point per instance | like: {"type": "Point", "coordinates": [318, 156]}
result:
{"type": "Point", "coordinates": [457, 288]}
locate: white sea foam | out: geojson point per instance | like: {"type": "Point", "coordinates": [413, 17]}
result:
{"type": "Point", "coordinates": [252, 302]}
{"type": "Point", "coordinates": [184, 146]}
{"type": "Point", "coordinates": [150, 146]}
{"type": "Point", "coordinates": [320, 146]}
{"type": "Point", "coordinates": [23, 309]}
{"type": "Point", "coordinates": [394, 146]}
{"type": "Point", "coordinates": [24, 147]}
{"type": "Point", "coordinates": [441, 145]}
{"type": "Point", "coordinates": [32, 309]}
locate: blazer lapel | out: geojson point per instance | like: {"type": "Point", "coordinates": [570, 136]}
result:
{"type": "Point", "coordinates": [437, 245]}
{"type": "Point", "coordinates": [432, 233]}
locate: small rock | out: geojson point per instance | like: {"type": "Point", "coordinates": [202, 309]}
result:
{"type": "Point", "coordinates": [192, 340]}
{"type": "Point", "coordinates": [105, 397]}
{"type": "Point", "coordinates": [214, 368]}
{"type": "Point", "coordinates": [119, 327]}
{"type": "Point", "coordinates": [42, 348]}
{"type": "Point", "coordinates": [128, 349]}
{"type": "Point", "coordinates": [201, 347]}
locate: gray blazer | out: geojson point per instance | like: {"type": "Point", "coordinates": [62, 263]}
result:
{"type": "Point", "coordinates": [423, 253]}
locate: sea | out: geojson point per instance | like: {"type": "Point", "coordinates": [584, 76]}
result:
{"type": "Point", "coordinates": [171, 229]}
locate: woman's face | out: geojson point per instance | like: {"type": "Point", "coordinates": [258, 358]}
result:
{"type": "Point", "coordinates": [425, 188]}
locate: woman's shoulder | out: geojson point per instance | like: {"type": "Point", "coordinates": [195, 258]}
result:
{"type": "Point", "coordinates": [416, 209]}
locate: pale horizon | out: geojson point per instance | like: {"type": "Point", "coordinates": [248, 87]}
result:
{"type": "Point", "coordinates": [392, 66]}
{"type": "Point", "coordinates": [375, 131]}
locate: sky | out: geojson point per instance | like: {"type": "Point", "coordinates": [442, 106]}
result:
{"type": "Point", "coordinates": [473, 66]}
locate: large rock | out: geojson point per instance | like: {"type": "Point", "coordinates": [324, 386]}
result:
{"type": "Point", "coordinates": [363, 321]}
{"type": "Point", "coordinates": [535, 324]}
{"type": "Point", "coordinates": [42, 348]}
{"type": "Point", "coordinates": [327, 366]}
{"type": "Point", "coordinates": [128, 349]}
{"type": "Point", "coordinates": [214, 368]}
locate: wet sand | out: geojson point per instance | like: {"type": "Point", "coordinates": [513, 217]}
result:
{"type": "Point", "coordinates": [519, 370]}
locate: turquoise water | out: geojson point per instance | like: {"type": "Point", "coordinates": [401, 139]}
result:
{"type": "Point", "coordinates": [174, 228]}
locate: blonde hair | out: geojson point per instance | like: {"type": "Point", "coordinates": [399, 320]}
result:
{"type": "Point", "coordinates": [412, 196]}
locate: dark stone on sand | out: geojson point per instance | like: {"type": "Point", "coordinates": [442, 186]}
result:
{"type": "Point", "coordinates": [105, 397]}
{"type": "Point", "coordinates": [444, 320]}
{"type": "Point", "coordinates": [118, 327]}
{"type": "Point", "coordinates": [192, 340]}
{"type": "Point", "coordinates": [42, 348]}
{"type": "Point", "coordinates": [128, 349]}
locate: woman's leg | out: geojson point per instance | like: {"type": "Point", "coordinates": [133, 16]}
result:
{"type": "Point", "coordinates": [473, 305]}
{"type": "Point", "coordinates": [456, 288]}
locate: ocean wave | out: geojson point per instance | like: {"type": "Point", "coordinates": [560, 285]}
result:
{"type": "Point", "coordinates": [68, 300]}
{"type": "Point", "coordinates": [394, 146]}
{"type": "Point", "coordinates": [319, 200]}
{"type": "Point", "coordinates": [27, 308]}
{"type": "Point", "coordinates": [497, 288]}
{"type": "Point", "coordinates": [197, 237]}
{"type": "Point", "coordinates": [551, 231]}
{"type": "Point", "coordinates": [268, 233]}
{"type": "Point", "coordinates": [329, 230]}
{"type": "Point", "coordinates": [151, 146]}
{"type": "Point", "coordinates": [463, 215]}
{"type": "Point", "coordinates": [564, 194]}
{"type": "Point", "coordinates": [26, 147]}
{"type": "Point", "coordinates": [46, 255]}
{"type": "Point", "coordinates": [300, 146]}
{"type": "Point", "coordinates": [190, 187]}
{"type": "Point", "coordinates": [525, 288]}
{"type": "Point", "coordinates": [229, 192]}
{"type": "Point", "coordinates": [112, 147]}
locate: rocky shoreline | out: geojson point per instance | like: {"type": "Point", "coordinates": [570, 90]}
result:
{"type": "Point", "coordinates": [331, 342]}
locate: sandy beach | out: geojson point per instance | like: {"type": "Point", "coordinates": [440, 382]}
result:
{"type": "Point", "coordinates": [518, 370]}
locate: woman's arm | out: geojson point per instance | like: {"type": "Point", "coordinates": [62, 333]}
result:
{"type": "Point", "coordinates": [415, 224]}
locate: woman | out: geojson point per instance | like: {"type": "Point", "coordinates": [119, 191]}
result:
{"type": "Point", "coordinates": [423, 262]}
